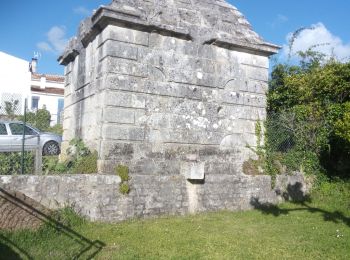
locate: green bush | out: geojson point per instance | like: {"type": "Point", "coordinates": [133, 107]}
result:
{"type": "Point", "coordinates": [57, 129]}
{"type": "Point", "coordinates": [86, 164]}
{"type": "Point", "coordinates": [81, 160]}
{"type": "Point", "coordinates": [312, 102]}
{"type": "Point", "coordinates": [40, 119]}
{"type": "Point", "coordinates": [10, 163]}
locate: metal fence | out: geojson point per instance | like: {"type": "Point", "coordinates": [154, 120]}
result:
{"type": "Point", "coordinates": [11, 106]}
{"type": "Point", "coordinates": [20, 152]}
{"type": "Point", "coordinates": [280, 132]}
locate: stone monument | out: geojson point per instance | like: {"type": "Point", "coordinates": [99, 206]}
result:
{"type": "Point", "coordinates": [173, 90]}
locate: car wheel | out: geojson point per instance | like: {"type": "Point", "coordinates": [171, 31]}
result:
{"type": "Point", "coordinates": [51, 148]}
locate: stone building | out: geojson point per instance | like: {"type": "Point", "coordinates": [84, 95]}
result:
{"type": "Point", "coordinates": [172, 89]}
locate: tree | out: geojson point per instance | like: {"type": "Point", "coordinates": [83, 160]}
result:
{"type": "Point", "coordinates": [315, 94]}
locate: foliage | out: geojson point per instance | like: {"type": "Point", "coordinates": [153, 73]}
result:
{"type": "Point", "coordinates": [52, 165]}
{"type": "Point", "coordinates": [57, 129]}
{"type": "Point", "coordinates": [80, 160]}
{"type": "Point", "coordinates": [40, 119]}
{"type": "Point", "coordinates": [86, 164]}
{"type": "Point", "coordinates": [67, 217]}
{"type": "Point", "coordinates": [124, 188]}
{"type": "Point", "coordinates": [342, 123]}
{"type": "Point", "coordinates": [123, 172]}
{"type": "Point", "coordinates": [310, 104]}
{"type": "Point", "coordinates": [77, 149]}
{"type": "Point", "coordinates": [11, 107]}
{"type": "Point", "coordinates": [10, 163]}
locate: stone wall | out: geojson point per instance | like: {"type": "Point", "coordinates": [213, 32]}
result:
{"type": "Point", "coordinates": [97, 197]}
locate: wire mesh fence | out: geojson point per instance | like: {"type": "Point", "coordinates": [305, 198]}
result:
{"type": "Point", "coordinates": [279, 132]}
{"type": "Point", "coordinates": [20, 151]}
{"type": "Point", "coordinates": [11, 106]}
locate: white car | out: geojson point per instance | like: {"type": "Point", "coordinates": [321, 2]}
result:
{"type": "Point", "coordinates": [11, 138]}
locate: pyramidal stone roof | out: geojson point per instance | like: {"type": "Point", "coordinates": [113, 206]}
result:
{"type": "Point", "coordinates": [204, 21]}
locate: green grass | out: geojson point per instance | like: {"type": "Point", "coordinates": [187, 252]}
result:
{"type": "Point", "coordinates": [319, 229]}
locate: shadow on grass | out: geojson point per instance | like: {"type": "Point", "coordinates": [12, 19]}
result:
{"type": "Point", "coordinates": [88, 248]}
{"type": "Point", "coordinates": [295, 195]}
{"type": "Point", "coordinates": [9, 250]}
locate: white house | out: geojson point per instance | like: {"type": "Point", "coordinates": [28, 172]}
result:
{"type": "Point", "coordinates": [19, 80]}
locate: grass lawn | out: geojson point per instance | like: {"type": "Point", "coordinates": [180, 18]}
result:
{"type": "Point", "coordinates": [318, 229]}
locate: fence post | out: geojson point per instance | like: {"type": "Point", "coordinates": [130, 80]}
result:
{"type": "Point", "coordinates": [24, 135]}
{"type": "Point", "coordinates": [38, 158]}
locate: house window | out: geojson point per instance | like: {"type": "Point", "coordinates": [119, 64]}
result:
{"type": "Point", "coordinates": [35, 103]}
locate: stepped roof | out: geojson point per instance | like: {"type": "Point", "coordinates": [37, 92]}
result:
{"type": "Point", "coordinates": [205, 21]}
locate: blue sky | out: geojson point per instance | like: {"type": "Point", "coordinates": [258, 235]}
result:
{"type": "Point", "coordinates": [44, 26]}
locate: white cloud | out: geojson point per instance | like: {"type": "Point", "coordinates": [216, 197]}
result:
{"type": "Point", "coordinates": [44, 46]}
{"type": "Point", "coordinates": [321, 38]}
{"type": "Point", "coordinates": [280, 19]}
{"type": "Point", "coordinates": [81, 10]}
{"type": "Point", "coordinates": [56, 40]}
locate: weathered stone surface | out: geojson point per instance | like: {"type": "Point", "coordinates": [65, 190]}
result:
{"type": "Point", "coordinates": [153, 84]}
{"type": "Point", "coordinates": [97, 197]}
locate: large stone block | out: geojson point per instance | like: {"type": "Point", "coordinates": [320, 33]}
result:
{"type": "Point", "coordinates": [124, 35]}
{"type": "Point", "coordinates": [118, 50]}
{"type": "Point", "coordinates": [117, 132]}
{"type": "Point", "coordinates": [124, 99]}
{"type": "Point", "coordinates": [119, 115]}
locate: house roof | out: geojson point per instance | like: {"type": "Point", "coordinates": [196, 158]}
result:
{"type": "Point", "coordinates": [49, 77]}
{"type": "Point", "coordinates": [54, 91]}
{"type": "Point", "coordinates": [212, 22]}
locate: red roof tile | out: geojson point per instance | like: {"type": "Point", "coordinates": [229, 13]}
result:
{"type": "Point", "coordinates": [56, 91]}
{"type": "Point", "coordinates": [49, 77]}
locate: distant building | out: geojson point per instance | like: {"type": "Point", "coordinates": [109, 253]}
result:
{"type": "Point", "coordinates": [20, 79]}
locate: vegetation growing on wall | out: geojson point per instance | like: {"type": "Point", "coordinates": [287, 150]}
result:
{"type": "Point", "coordinates": [123, 172]}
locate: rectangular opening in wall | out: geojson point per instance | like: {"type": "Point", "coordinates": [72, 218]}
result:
{"type": "Point", "coordinates": [35, 103]}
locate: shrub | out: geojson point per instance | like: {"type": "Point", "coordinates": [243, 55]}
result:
{"type": "Point", "coordinates": [57, 129]}
{"type": "Point", "coordinates": [123, 172]}
{"type": "Point", "coordinates": [39, 119]}
{"type": "Point", "coordinates": [81, 160]}
{"type": "Point", "coordinates": [10, 163]}
{"type": "Point", "coordinates": [86, 164]}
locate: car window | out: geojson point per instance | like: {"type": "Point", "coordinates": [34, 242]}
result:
{"type": "Point", "coordinates": [17, 129]}
{"type": "Point", "coordinates": [3, 130]}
